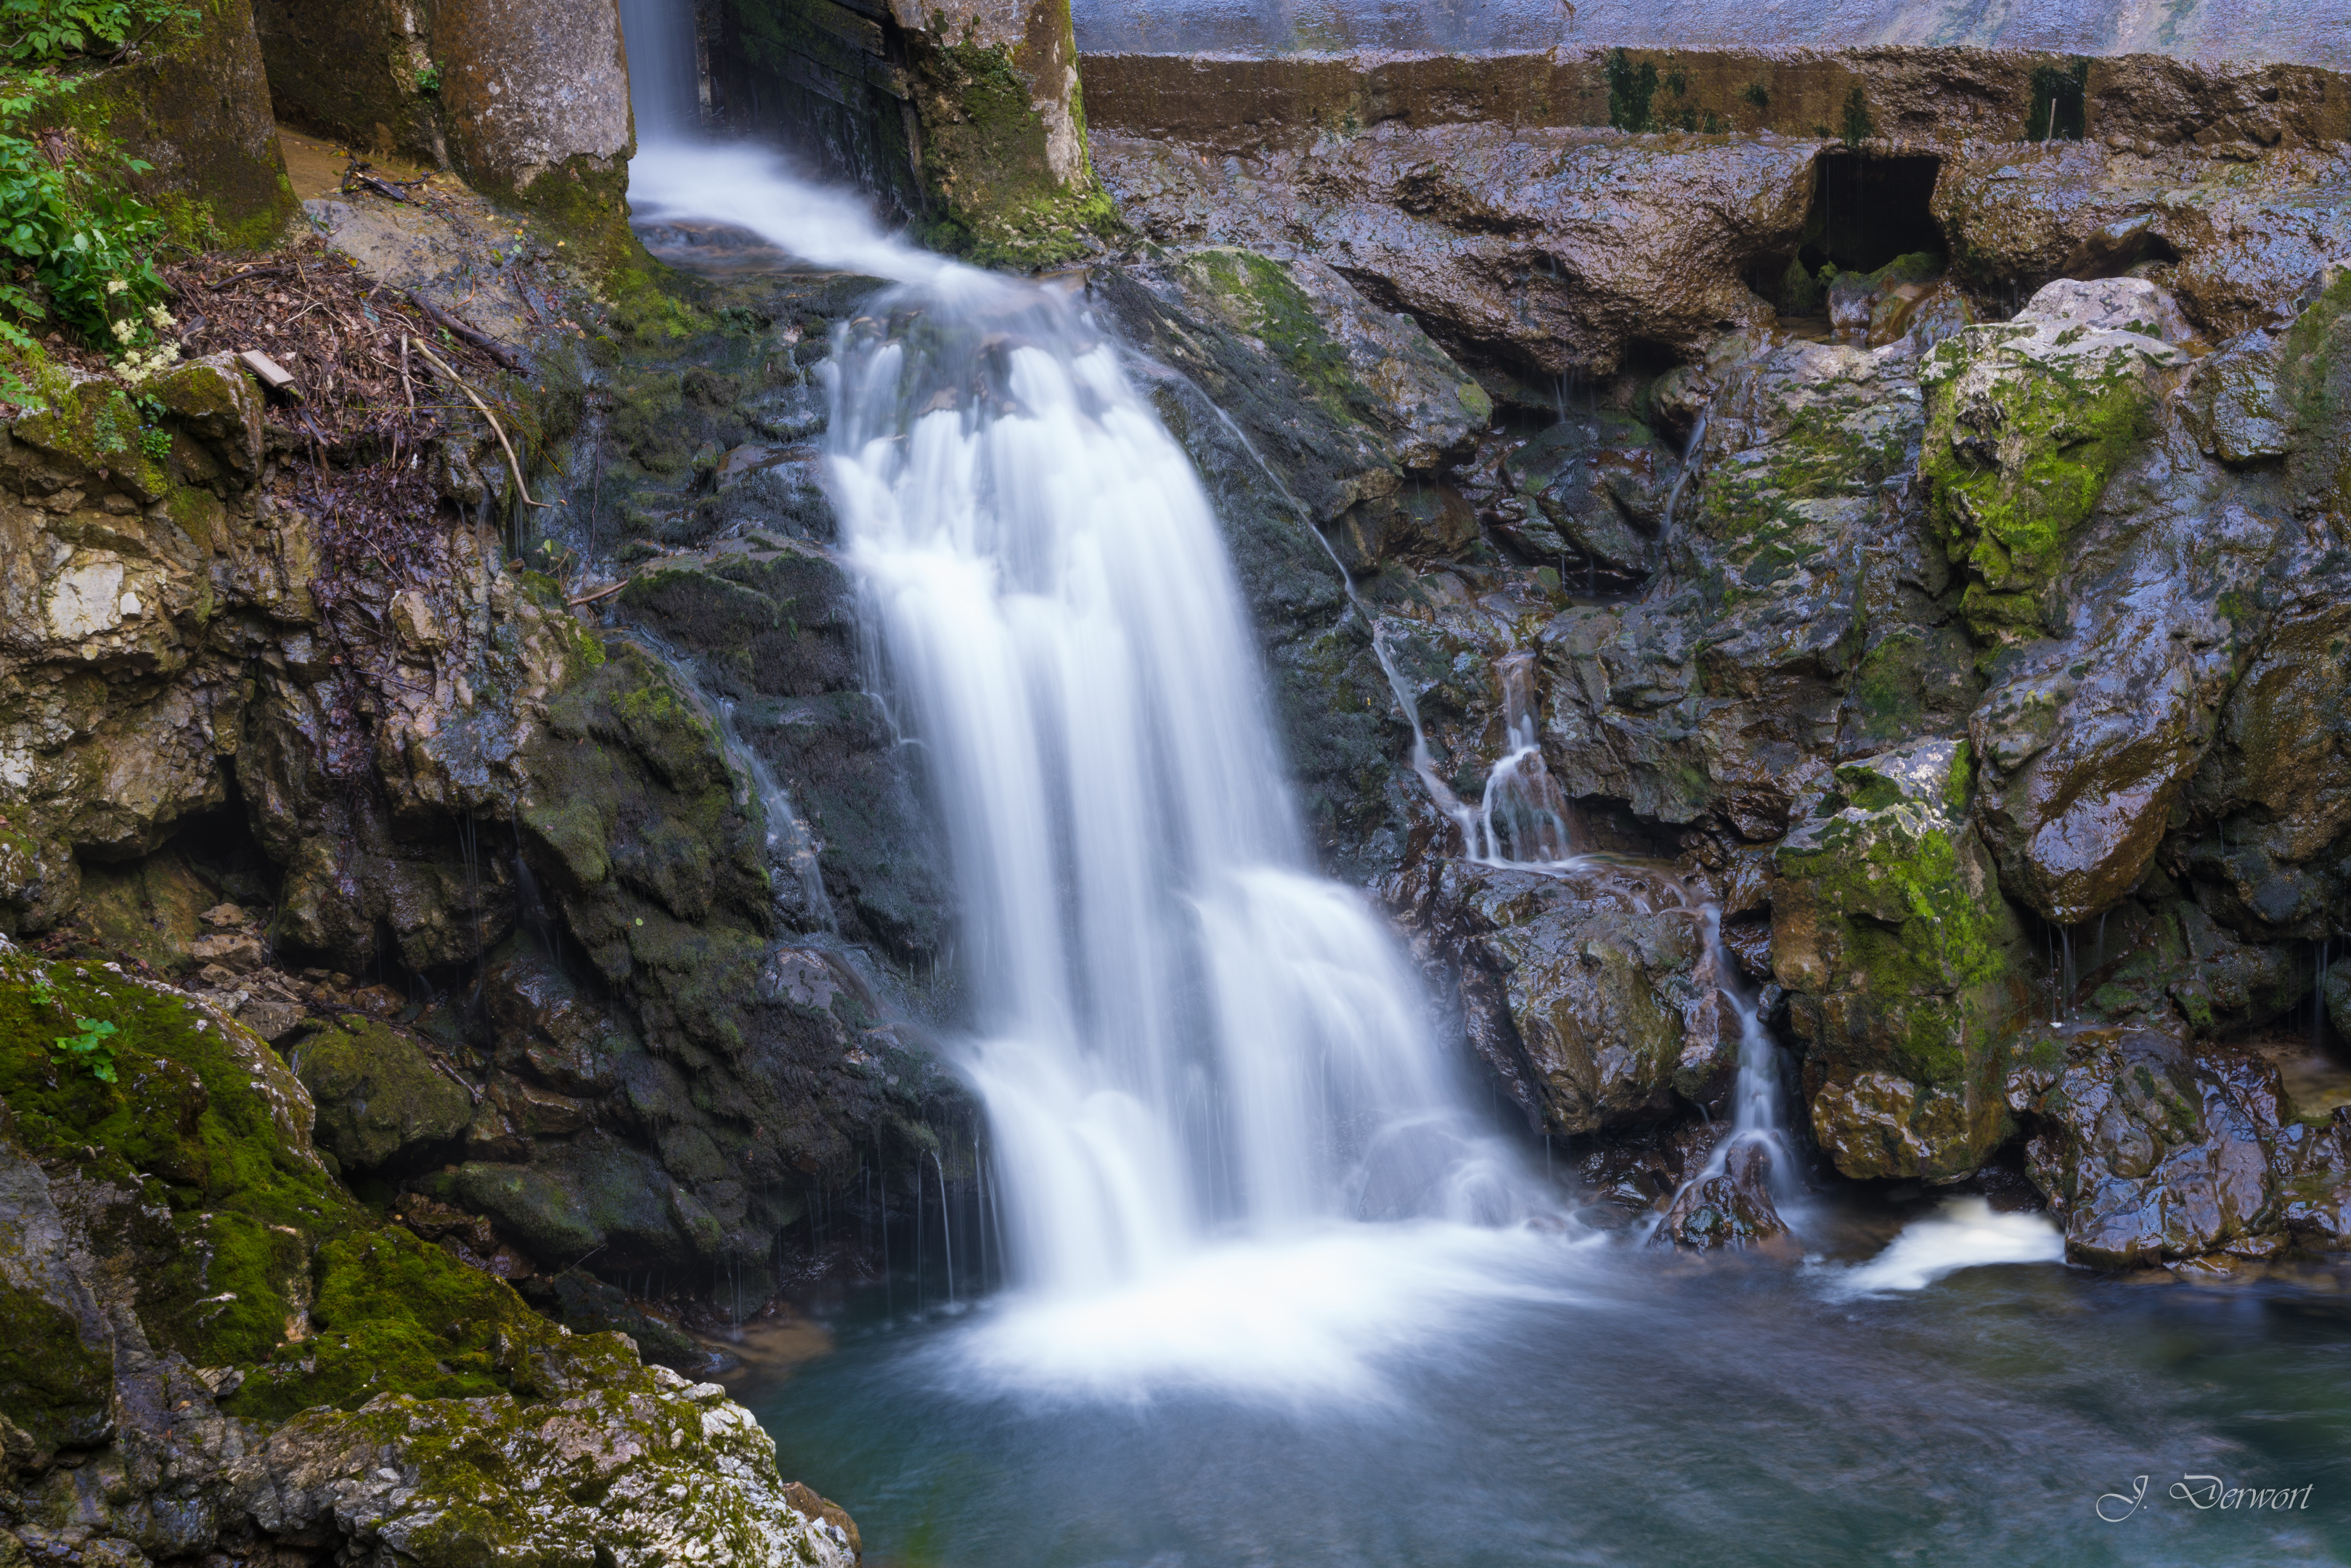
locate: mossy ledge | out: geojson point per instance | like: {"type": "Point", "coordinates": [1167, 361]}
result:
{"type": "Point", "coordinates": [176, 1259]}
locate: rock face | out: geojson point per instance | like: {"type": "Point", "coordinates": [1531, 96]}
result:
{"type": "Point", "coordinates": [181, 1275]}
{"type": "Point", "coordinates": [529, 103]}
{"type": "Point", "coordinates": [965, 117]}
{"type": "Point", "coordinates": [1951, 615]}
{"type": "Point", "coordinates": [1542, 250]}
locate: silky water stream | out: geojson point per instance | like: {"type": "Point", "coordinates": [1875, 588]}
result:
{"type": "Point", "coordinates": [1276, 1292]}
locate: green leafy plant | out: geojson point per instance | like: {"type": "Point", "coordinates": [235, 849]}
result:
{"type": "Point", "coordinates": [75, 248]}
{"type": "Point", "coordinates": [38, 31]}
{"type": "Point", "coordinates": [88, 1050]}
{"type": "Point", "coordinates": [428, 80]}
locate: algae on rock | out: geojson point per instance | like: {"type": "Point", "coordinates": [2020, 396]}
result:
{"type": "Point", "coordinates": [1902, 960]}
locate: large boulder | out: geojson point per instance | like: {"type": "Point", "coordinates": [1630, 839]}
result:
{"type": "Point", "coordinates": [1590, 994]}
{"type": "Point", "coordinates": [380, 1098]}
{"type": "Point", "coordinates": [194, 108]}
{"type": "Point", "coordinates": [1904, 964]}
{"type": "Point", "coordinates": [2146, 1152]}
{"type": "Point", "coordinates": [2026, 421]}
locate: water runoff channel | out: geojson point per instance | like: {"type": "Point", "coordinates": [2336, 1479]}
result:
{"type": "Point", "coordinates": [1202, 1064]}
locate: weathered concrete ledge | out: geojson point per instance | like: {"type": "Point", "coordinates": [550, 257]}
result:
{"type": "Point", "coordinates": [1902, 93]}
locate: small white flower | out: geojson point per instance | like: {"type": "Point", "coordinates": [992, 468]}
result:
{"type": "Point", "coordinates": [123, 330]}
{"type": "Point", "coordinates": [116, 286]}
{"type": "Point", "coordinates": [160, 318]}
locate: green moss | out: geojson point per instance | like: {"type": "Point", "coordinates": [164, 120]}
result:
{"type": "Point", "coordinates": [2014, 476]}
{"type": "Point", "coordinates": [1631, 90]}
{"type": "Point", "coordinates": [199, 1121]}
{"type": "Point", "coordinates": [378, 1093]}
{"type": "Point", "coordinates": [1858, 127]}
{"type": "Point", "coordinates": [245, 1250]}
{"type": "Point", "coordinates": [995, 197]}
{"type": "Point", "coordinates": [395, 1314]}
{"type": "Point", "coordinates": [52, 1384]}
{"type": "Point", "coordinates": [1917, 942]}
{"type": "Point", "coordinates": [1261, 299]}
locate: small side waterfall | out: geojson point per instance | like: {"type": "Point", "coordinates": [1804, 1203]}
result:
{"type": "Point", "coordinates": [1522, 819]}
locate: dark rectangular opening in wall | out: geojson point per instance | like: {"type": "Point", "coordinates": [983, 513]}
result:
{"type": "Point", "coordinates": [1869, 208]}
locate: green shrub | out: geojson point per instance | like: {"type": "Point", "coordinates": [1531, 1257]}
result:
{"type": "Point", "coordinates": [76, 249]}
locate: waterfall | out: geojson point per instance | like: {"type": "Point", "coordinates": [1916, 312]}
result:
{"type": "Point", "coordinates": [664, 80]}
{"type": "Point", "coordinates": [1181, 1028]}
{"type": "Point", "coordinates": [1182, 1035]}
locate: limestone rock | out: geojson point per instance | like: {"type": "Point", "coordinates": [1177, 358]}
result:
{"type": "Point", "coordinates": [1551, 249]}
{"type": "Point", "coordinates": [637, 1466]}
{"type": "Point", "coordinates": [1588, 995]}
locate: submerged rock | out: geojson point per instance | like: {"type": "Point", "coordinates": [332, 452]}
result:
{"type": "Point", "coordinates": [1730, 1208]}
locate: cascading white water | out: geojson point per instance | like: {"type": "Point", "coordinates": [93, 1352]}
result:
{"type": "Point", "coordinates": [1182, 1032]}
{"type": "Point", "coordinates": [1522, 819]}
{"type": "Point", "coordinates": [664, 81]}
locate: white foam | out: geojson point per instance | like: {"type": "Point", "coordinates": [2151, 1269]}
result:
{"type": "Point", "coordinates": [752, 188]}
{"type": "Point", "coordinates": [1310, 1320]}
{"type": "Point", "coordinates": [1964, 1234]}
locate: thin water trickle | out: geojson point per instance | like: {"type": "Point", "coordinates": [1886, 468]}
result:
{"type": "Point", "coordinates": [1522, 818]}
{"type": "Point", "coordinates": [1691, 449]}
{"type": "Point", "coordinates": [946, 1225]}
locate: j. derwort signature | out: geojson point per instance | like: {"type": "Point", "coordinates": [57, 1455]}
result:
{"type": "Point", "coordinates": [2202, 1493]}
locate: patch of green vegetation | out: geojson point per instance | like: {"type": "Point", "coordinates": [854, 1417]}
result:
{"type": "Point", "coordinates": [77, 249]}
{"type": "Point", "coordinates": [1858, 127]}
{"type": "Point", "coordinates": [2060, 105]}
{"type": "Point", "coordinates": [394, 1315]}
{"type": "Point", "coordinates": [1756, 93]}
{"type": "Point", "coordinates": [1631, 90]}
{"type": "Point", "coordinates": [88, 1049]}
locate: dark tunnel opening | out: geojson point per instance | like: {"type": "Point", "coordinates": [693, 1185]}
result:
{"type": "Point", "coordinates": [1869, 208]}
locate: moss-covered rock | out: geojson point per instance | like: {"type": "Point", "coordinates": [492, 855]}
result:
{"type": "Point", "coordinates": [161, 1209]}
{"type": "Point", "coordinates": [615, 1463]}
{"type": "Point", "coordinates": [381, 1100]}
{"type": "Point", "coordinates": [2027, 420]}
{"type": "Point", "coordinates": [196, 109]}
{"type": "Point", "coordinates": [1901, 957]}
